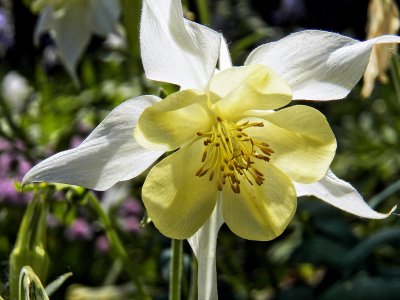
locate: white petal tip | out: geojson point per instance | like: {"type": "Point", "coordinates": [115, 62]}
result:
{"type": "Point", "coordinates": [342, 195]}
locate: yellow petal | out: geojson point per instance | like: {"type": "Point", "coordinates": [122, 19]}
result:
{"type": "Point", "coordinates": [302, 140]}
{"type": "Point", "coordinates": [171, 122]}
{"type": "Point", "coordinates": [240, 89]}
{"type": "Point", "coordinates": [260, 212]}
{"type": "Point", "coordinates": [177, 201]}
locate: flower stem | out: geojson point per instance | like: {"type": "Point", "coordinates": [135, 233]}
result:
{"type": "Point", "coordinates": [116, 245]}
{"type": "Point", "coordinates": [193, 292]}
{"type": "Point", "coordinates": [394, 68]}
{"type": "Point", "coordinates": [176, 270]}
{"type": "Point", "coordinates": [130, 18]}
{"type": "Point", "coordinates": [204, 15]}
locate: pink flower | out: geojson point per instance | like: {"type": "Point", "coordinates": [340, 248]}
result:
{"type": "Point", "coordinates": [79, 230]}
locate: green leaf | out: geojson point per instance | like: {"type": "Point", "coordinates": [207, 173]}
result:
{"type": "Point", "coordinates": [363, 287]}
{"type": "Point", "coordinates": [320, 250]}
{"type": "Point", "coordinates": [387, 192]}
{"type": "Point", "coordinates": [54, 285]}
{"type": "Point", "coordinates": [359, 253]}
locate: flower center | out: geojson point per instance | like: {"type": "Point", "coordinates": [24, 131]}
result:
{"type": "Point", "coordinates": [230, 153]}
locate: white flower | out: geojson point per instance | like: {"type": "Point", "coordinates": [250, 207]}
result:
{"type": "Point", "coordinates": [71, 24]}
{"type": "Point", "coordinates": [16, 89]}
{"type": "Point", "coordinates": [315, 65]}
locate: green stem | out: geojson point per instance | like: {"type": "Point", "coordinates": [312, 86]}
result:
{"type": "Point", "coordinates": [176, 270]}
{"type": "Point", "coordinates": [194, 278]}
{"type": "Point", "coordinates": [394, 68]}
{"type": "Point", "coordinates": [387, 192]}
{"type": "Point", "coordinates": [117, 246]}
{"type": "Point", "coordinates": [204, 16]}
{"type": "Point", "coordinates": [131, 18]}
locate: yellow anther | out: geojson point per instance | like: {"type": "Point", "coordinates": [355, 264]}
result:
{"type": "Point", "coordinates": [230, 153]}
{"type": "Point", "coordinates": [204, 156]}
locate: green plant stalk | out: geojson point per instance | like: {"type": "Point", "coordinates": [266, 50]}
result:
{"type": "Point", "coordinates": [194, 278]}
{"type": "Point", "coordinates": [175, 278]}
{"type": "Point", "coordinates": [204, 11]}
{"type": "Point", "coordinates": [131, 18]}
{"type": "Point", "coordinates": [116, 245]}
{"type": "Point", "coordinates": [395, 70]}
{"type": "Point", "coordinates": [29, 249]}
{"type": "Point", "coordinates": [387, 192]}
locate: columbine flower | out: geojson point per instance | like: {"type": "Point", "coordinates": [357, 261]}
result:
{"type": "Point", "coordinates": [231, 141]}
{"type": "Point", "coordinates": [71, 24]}
{"type": "Point", "coordinates": [234, 137]}
{"type": "Point", "coordinates": [215, 109]}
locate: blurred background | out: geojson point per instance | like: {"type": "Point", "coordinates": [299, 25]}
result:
{"type": "Point", "coordinates": [50, 102]}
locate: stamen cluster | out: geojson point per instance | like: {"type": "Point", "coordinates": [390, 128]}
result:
{"type": "Point", "coordinates": [229, 154]}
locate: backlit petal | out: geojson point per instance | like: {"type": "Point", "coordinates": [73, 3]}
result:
{"type": "Point", "coordinates": [302, 140]}
{"type": "Point", "coordinates": [260, 212]}
{"type": "Point", "coordinates": [224, 61]}
{"type": "Point", "coordinates": [72, 34]}
{"type": "Point", "coordinates": [104, 15]}
{"type": "Point", "coordinates": [177, 201]}
{"type": "Point", "coordinates": [173, 121]}
{"type": "Point", "coordinates": [318, 65]}
{"type": "Point", "coordinates": [108, 155]}
{"type": "Point", "coordinates": [44, 23]}
{"type": "Point", "coordinates": [247, 88]}
{"type": "Point", "coordinates": [340, 194]}
{"type": "Point", "coordinates": [174, 49]}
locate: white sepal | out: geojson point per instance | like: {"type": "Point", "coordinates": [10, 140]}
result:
{"type": "Point", "coordinates": [340, 194]}
{"type": "Point", "coordinates": [174, 49]}
{"type": "Point", "coordinates": [204, 244]}
{"type": "Point", "coordinates": [108, 155]}
{"type": "Point", "coordinates": [318, 65]}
